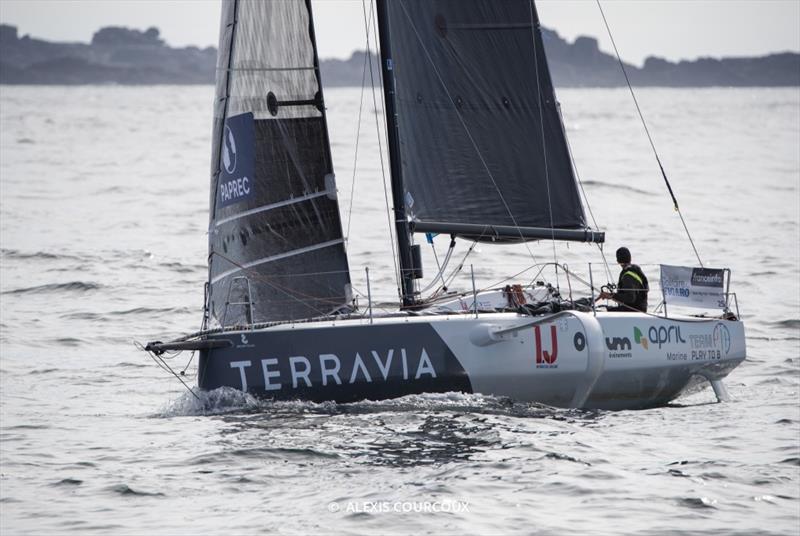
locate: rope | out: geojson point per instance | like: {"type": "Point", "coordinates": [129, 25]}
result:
{"type": "Point", "coordinates": [460, 265]}
{"type": "Point", "coordinates": [588, 205]}
{"type": "Point", "coordinates": [164, 366]}
{"type": "Point", "coordinates": [295, 295]}
{"type": "Point", "coordinates": [647, 131]}
{"type": "Point", "coordinates": [441, 267]}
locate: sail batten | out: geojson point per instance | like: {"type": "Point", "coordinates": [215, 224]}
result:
{"type": "Point", "coordinates": [275, 216]}
{"type": "Point", "coordinates": [271, 206]}
{"type": "Point", "coordinates": [290, 253]}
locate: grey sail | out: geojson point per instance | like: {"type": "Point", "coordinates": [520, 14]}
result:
{"type": "Point", "coordinates": [480, 132]}
{"type": "Point", "coordinates": [276, 250]}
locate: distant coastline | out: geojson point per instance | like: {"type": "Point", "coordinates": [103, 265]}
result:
{"type": "Point", "coordinates": [132, 57]}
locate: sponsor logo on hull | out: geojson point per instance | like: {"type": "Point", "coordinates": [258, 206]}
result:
{"type": "Point", "coordinates": [662, 335]}
{"type": "Point", "coordinates": [722, 338]}
{"type": "Point", "coordinates": [331, 369]}
{"type": "Point", "coordinates": [622, 347]}
{"type": "Point", "coordinates": [341, 364]}
{"type": "Point", "coordinates": [616, 347]}
{"type": "Point", "coordinates": [639, 337]}
{"type": "Point", "coordinates": [546, 356]}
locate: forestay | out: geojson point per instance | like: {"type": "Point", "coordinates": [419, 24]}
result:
{"type": "Point", "coordinates": [481, 137]}
{"type": "Point", "coordinates": [275, 236]}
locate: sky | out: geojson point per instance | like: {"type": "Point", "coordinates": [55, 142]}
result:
{"type": "Point", "coordinates": [672, 29]}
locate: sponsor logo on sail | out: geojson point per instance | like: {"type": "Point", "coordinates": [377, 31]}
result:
{"type": "Point", "coordinates": [236, 161]}
{"type": "Point", "coordinates": [229, 150]}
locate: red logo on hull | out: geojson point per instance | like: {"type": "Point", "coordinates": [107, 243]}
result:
{"type": "Point", "coordinates": [546, 357]}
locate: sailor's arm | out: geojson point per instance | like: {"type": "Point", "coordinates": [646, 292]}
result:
{"type": "Point", "coordinates": [626, 292]}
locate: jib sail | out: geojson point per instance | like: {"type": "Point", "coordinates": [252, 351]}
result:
{"type": "Point", "coordinates": [482, 145]}
{"type": "Point", "coordinates": [276, 250]}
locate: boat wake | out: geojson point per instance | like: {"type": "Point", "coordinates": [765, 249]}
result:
{"type": "Point", "coordinates": [226, 400]}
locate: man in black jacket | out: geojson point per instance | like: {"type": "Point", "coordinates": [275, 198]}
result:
{"type": "Point", "coordinates": [632, 287]}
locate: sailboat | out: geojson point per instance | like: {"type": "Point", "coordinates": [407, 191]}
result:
{"type": "Point", "coordinates": [477, 151]}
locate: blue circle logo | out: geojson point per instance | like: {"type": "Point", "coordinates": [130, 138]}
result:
{"type": "Point", "coordinates": [228, 150]}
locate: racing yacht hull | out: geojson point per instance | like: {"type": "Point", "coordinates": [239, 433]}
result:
{"type": "Point", "coordinates": [568, 359]}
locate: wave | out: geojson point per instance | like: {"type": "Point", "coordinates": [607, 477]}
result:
{"type": "Point", "coordinates": [72, 286]}
{"type": "Point", "coordinates": [67, 341]}
{"type": "Point", "coordinates": [124, 489]}
{"type": "Point", "coordinates": [181, 268]}
{"type": "Point", "coordinates": [698, 502]}
{"type": "Point", "coordinates": [68, 482]}
{"type": "Point", "coordinates": [621, 187]}
{"type": "Point", "coordinates": [44, 371]}
{"type": "Point", "coordinates": [37, 255]}
{"type": "Point", "coordinates": [150, 311]}
{"type": "Point", "coordinates": [791, 323]}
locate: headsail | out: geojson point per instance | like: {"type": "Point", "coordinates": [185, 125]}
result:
{"type": "Point", "coordinates": [481, 138]}
{"type": "Point", "coordinates": [276, 250]}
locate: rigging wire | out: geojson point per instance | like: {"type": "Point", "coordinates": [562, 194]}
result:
{"type": "Point", "coordinates": [544, 142]}
{"type": "Point", "coordinates": [165, 366]}
{"type": "Point", "coordinates": [442, 267]}
{"type": "Point", "coordinates": [588, 206]}
{"type": "Point", "coordinates": [294, 294]}
{"type": "Point", "coordinates": [647, 131]}
{"type": "Point", "coordinates": [389, 212]}
{"type": "Point", "coordinates": [358, 138]}
{"type": "Point", "coordinates": [460, 266]}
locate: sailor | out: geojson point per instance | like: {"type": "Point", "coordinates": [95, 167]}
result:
{"type": "Point", "coordinates": [632, 287]}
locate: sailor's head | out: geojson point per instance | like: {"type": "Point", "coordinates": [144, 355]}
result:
{"type": "Point", "coordinates": [623, 256]}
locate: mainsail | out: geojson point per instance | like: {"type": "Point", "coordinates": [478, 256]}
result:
{"type": "Point", "coordinates": [276, 250]}
{"type": "Point", "coordinates": [480, 134]}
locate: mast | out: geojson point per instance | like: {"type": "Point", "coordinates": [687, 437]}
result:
{"type": "Point", "coordinates": [395, 166]}
{"type": "Point", "coordinates": [319, 98]}
{"type": "Point", "coordinates": [217, 155]}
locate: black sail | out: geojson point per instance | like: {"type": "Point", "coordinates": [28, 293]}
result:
{"type": "Point", "coordinates": [481, 138]}
{"type": "Point", "coordinates": [276, 250]}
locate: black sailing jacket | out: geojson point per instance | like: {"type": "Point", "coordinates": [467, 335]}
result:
{"type": "Point", "coordinates": [632, 288]}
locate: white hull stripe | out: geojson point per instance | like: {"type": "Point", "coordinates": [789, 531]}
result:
{"type": "Point", "coordinates": [265, 260]}
{"type": "Point", "coordinates": [271, 206]}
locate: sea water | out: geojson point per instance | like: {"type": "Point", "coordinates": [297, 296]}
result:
{"type": "Point", "coordinates": [103, 218]}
